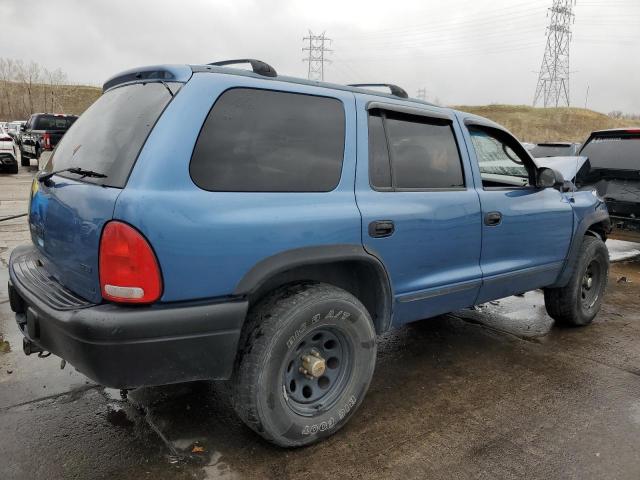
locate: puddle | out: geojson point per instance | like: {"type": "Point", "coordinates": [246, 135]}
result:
{"type": "Point", "coordinates": [114, 394]}
{"type": "Point", "coordinates": [522, 315]}
{"type": "Point", "coordinates": [116, 415]}
{"type": "Point", "coordinates": [216, 468]}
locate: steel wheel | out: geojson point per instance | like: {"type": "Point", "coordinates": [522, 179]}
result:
{"type": "Point", "coordinates": [316, 372]}
{"type": "Point", "coordinates": [591, 283]}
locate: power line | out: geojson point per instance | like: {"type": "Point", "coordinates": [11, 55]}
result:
{"type": "Point", "coordinates": [316, 57]}
{"type": "Point", "coordinates": [553, 80]}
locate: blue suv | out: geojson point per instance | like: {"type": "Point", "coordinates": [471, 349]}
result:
{"type": "Point", "coordinates": [205, 222]}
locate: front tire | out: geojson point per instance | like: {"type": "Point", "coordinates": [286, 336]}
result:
{"type": "Point", "coordinates": [307, 356]}
{"type": "Point", "coordinates": [579, 301]}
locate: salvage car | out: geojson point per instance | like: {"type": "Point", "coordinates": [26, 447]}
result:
{"type": "Point", "coordinates": [8, 162]}
{"type": "Point", "coordinates": [292, 223]}
{"type": "Point", "coordinates": [14, 129]}
{"type": "Point", "coordinates": [614, 170]}
{"type": "Point", "coordinates": [554, 149]}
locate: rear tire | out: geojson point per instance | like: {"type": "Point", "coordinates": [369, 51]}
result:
{"type": "Point", "coordinates": [14, 169]}
{"type": "Point", "coordinates": [271, 392]}
{"type": "Point", "coordinates": [25, 162]}
{"type": "Point", "coordinates": [579, 301]}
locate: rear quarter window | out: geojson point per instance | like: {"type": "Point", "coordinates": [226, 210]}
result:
{"type": "Point", "coordinates": [270, 141]}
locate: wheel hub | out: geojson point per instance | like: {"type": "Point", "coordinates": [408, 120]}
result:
{"type": "Point", "coordinates": [316, 370]}
{"type": "Point", "coordinates": [591, 281]}
{"type": "Point", "coordinates": [313, 365]}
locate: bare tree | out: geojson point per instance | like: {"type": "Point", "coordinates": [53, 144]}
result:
{"type": "Point", "coordinates": [31, 77]}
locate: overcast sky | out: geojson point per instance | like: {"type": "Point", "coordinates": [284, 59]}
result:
{"type": "Point", "coordinates": [460, 51]}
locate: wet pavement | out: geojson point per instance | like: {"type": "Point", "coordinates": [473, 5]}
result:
{"type": "Point", "coordinates": [493, 392]}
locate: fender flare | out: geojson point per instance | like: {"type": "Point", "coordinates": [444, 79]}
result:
{"type": "Point", "coordinates": [319, 255]}
{"type": "Point", "coordinates": [599, 215]}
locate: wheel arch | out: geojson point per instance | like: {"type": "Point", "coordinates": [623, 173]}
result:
{"type": "Point", "coordinates": [596, 224]}
{"type": "Point", "coordinates": [349, 267]}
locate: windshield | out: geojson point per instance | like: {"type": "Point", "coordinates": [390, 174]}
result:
{"type": "Point", "coordinates": [551, 151]}
{"type": "Point", "coordinates": [53, 122]}
{"type": "Point", "coordinates": [616, 152]}
{"type": "Point", "coordinates": [109, 135]}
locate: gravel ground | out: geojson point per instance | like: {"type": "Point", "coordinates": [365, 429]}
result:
{"type": "Point", "coordinates": [493, 392]}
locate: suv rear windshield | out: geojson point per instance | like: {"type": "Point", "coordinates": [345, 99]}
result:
{"type": "Point", "coordinates": [53, 122]}
{"type": "Point", "coordinates": [109, 135]}
{"type": "Point", "coordinates": [552, 151]}
{"type": "Point", "coordinates": [615, 152]}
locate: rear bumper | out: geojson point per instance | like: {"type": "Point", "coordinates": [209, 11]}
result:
{"type": "Point", "coordinates": [7, 159]}
{"type": "Point", "coordinates": [129, 347]}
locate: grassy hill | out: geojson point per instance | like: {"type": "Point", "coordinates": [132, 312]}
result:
{"type": "Point", "coordinates": [548, 124]}
{"type": "Point", "coordinates": [527, 123]}
{"type": "Point", "coordinates": [19, 100]}
{"type": "Point", "coordinates": [82, 98]}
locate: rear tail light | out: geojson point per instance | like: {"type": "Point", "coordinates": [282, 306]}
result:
{"type": "Point", "coordinates": [5, 139]}
{"type": "Point", "coordinates": [46, 139]}
{"type": "Point", "coordinates": [129, 270]}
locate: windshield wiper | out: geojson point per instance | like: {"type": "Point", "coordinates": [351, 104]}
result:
{"type": "Point", "coordinates": [76, 170]}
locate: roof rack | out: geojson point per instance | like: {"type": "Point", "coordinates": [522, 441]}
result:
{"type": "Point", "coordinates": [259, 67]}
{"type": "Point", "coordinates": [395, 89]}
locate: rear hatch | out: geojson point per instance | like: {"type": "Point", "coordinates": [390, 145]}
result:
{"type": "Point", "coordinates": [68, 211]}
{"type": "Point", "coordinates": [614, 159]}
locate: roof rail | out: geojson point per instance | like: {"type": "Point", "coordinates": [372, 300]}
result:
{"type": "Point", "coordinates": [259, 67]}
{"type": "Point", "coordinates": [395, 89]}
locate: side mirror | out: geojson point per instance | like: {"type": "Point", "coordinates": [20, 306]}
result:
{"type": "Point", "coordinates": [550, 178]}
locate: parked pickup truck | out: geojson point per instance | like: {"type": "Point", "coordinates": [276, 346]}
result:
{"type": "Point", "coordinates": [291, 223]}
{"type": "Point", "coordinates": [42, 132]}
{"type": "Point", "coordinates": [614, 170]}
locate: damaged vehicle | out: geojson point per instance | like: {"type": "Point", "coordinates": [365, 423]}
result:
{"type": "Point", "coordinates": [292, 223]}
{"type": "Point", "coordinates": [554, 149]}
{"type": "Point", "coordinates": [614, 171]}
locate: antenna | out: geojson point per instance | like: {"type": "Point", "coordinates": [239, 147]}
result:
{"type": "Point", "coordinates": [553, 80]}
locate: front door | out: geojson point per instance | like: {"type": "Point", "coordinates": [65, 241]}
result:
{"type": "Point", "coordinates": [526, 230]}
{"type": "Point", "coordinates": [420, 211]}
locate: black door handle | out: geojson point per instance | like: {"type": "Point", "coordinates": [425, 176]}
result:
{"type": "Point", "coordinates": [493, 218]}
{"type": "Point", "coordinates": [381, 228]}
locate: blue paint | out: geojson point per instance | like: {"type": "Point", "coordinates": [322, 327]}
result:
{"type": "Point", "coordinates": [441, 257]}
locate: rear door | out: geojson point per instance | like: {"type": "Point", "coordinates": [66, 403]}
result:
{"type": "Point", "coordinates": [68, 211]}
{"type": "Point", "coordinates": [420, 211]}
{"type": "Point", "coordinates": [526, 230]}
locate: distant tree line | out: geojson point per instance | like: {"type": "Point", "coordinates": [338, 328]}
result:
{"type": "Point", "coordinates": [27, 88]}
{"type": "Point", "coordinates": [624, 116]}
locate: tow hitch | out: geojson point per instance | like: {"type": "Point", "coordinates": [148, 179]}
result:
{"type": "Point", "coordinates": [28, 347]}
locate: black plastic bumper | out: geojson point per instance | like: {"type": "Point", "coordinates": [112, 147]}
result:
{"type": "Point", "coordinates": [7, 160]}
{"type": "Point", "coordinates": [128, 347]}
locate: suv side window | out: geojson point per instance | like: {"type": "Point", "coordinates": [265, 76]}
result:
{"type": "Point", "coordinates": [411, 152]}
{"type": "Point", "coordinates": [500, 165]}
{"type": "Point", "coordinates": [269, 141]}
